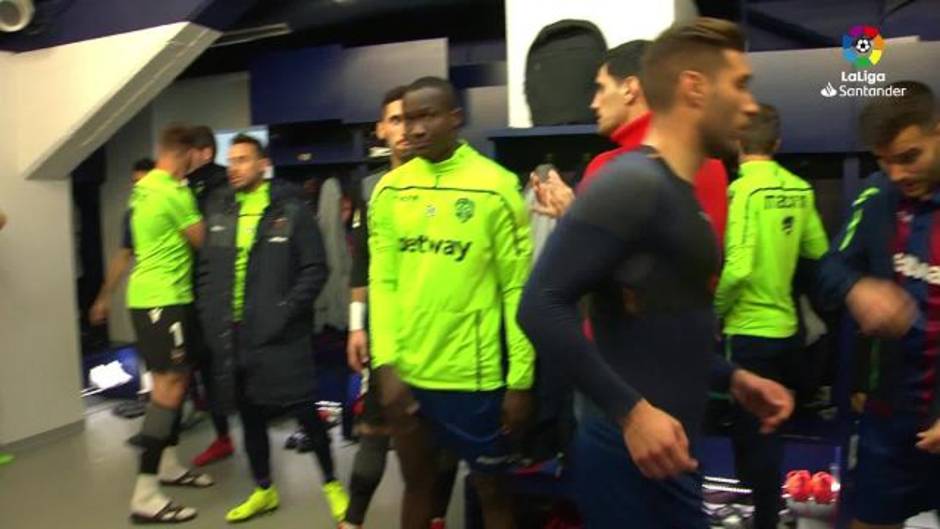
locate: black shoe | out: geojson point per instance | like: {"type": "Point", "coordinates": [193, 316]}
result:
{"type": "Point", "coordinates": [294, 440]}
{"type": "Point", "coordinates": [136, 441]}
{"type": "Point", "coordinates": [304, 444]}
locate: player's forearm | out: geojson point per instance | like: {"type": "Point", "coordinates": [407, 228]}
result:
{"type": "Point", "coordinates": [521, 373]}
{"type": "Point", "coordinates": [117, 268]}
{"type": "Point", "coordinates": [359, 294]}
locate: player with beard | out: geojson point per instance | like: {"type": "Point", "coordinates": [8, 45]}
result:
{"type": "Point", "coordinates": [883, 267]}
{"type": "Point", "coordinates": [638, 243]}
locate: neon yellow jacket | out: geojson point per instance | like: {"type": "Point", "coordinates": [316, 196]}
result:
{"type": "Point", "coordinates": [450, 253]}
{"type": "Point", "coordinates": [772, 223]}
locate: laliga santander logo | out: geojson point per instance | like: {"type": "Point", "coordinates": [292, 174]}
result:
{"type": "Point", "coordinates": [863, 46]}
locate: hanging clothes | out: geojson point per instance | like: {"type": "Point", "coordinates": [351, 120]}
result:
{"type": "Point", "coordinates": [332, 307]}
{"type": "Point", "coordinates": [542, 225]}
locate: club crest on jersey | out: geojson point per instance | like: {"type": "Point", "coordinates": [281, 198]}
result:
{"type": "Point", "coordinates": [464, 209]}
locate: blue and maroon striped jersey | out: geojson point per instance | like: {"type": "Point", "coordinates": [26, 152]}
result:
{"type": "Point", "coordinates": [891, 237]}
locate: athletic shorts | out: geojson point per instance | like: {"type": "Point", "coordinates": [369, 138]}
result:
{"type": "Point", "coordinates": [469, 425]}
{"type": "Point", "coordinates": [894, 480]}
{"type": "Point", "coordinates": [162, 337]}
{"type": "Point", "coordinates": [611, 491]}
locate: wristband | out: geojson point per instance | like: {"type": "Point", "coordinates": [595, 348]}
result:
{"type": "Point", "coordinates": [357, 316]}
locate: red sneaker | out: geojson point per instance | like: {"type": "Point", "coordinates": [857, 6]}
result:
{"type": "Point", "coordinates": [799, 485]}
{"type": "Point", "coordinates": [438, 523]}
{"type": "Point", "coordinates": [220, 449]}
{"type": "Point", "coordinates": [822, 486]}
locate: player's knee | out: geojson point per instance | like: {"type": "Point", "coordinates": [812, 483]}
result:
{"type": "Point", "coordinates": [489, 488]}
{"type": "Point", "coordinates": [169, 388]}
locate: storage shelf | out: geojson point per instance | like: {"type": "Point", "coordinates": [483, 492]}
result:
{"type": "Point", "coordinates": [533, 132]}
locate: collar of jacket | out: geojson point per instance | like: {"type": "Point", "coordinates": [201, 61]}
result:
{"type": "Point", "coordinates": [631, 134]}
{"type": "Point", "coordinates": [281, 191]}
{"type": "Point", "coordinates": [210, 176]}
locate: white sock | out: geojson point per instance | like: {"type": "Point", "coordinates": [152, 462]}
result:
{"type": "Point", "coordinates": [148, 500]}
{"type": "Point", "coordinates": [170, 467]}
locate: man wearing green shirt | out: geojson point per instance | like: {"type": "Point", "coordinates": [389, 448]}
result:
{"type": "Point", "coordinates": [772, 224]}
{"type": "Point", "coordinates": [450, 253]}
{"type": "Point", "coordinates": [165, 226]}
{"type": "Point", "coordinates": [261, 269]}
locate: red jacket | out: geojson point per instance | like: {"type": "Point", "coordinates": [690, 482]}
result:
{"type": "Point", "coordinates": [711, 181]}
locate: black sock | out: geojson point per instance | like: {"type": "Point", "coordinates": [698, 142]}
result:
{"type": "Point", "coordinates": [368, 468]}
{"type": "Point", "coordinates": [319, 439]}
{"type": "Point", "coordinates": [220, 422]}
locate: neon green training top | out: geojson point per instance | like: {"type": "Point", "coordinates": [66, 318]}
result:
{"type": "Point", "coordinates": [162, 207]}
{"type": "Point", "coordinates": [772, 222]}
{"type": "Point", "coordinates": [251, 207]}
{"type": "Point", "coordinates": [450, 253]}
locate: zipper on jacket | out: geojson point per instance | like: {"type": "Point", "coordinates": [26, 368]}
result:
{"type": "Point", "coordinates": [479, 352]}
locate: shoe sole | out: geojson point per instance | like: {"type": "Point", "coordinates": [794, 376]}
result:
{"type": "Point", "coordinates": [254, 516]}
{"type": "Point", "coordinates": [138, 519]}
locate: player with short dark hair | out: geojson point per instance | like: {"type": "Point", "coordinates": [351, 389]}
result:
{"type": "Point", "coordinates": [374, 433]}
{"type": "Point", "coordinates": [261, 270]}
{"type": "Point", "coordinates": [624, 116]}
{"type": "Point", "coordinates": [450, 251]}
{"type": "Point", "coordinates": [638, 243]}
{"type": "Point", "coordinates": [882, 267]}
{"type": "Point", "coordinates": [204, 177]}
{"type": "Point", "coordinates": [122, 260]}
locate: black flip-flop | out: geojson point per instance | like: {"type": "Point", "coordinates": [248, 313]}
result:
{"type": "Point", "coordinates": [189, 479]}
{"type": "Point", "coordinates": [169, 514]}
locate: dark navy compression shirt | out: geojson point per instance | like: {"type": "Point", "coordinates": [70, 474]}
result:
{"type": "Point", "coordinates": [639, 246]}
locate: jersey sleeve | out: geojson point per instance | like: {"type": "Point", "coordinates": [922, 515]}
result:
{"type": "Point", "coordinates": [512, 243]}
{"type": "Point", "coordinates": [383, 279]}
{"type": "Point", "coordinates": [182, 208]}
{"type": "Point", "coordinates": [740, 247]}
{"type": "Point", "coordinates": [814, 243]}
{"type": "Point", "coordinates": [603, 227]}
{"type": "Point", "coordinates": [847, 260]}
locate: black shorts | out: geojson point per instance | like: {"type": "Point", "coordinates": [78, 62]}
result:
{"type": "Point", "coordinates": [162, 337]}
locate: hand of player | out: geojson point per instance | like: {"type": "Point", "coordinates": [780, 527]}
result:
{"type": "Point", "coordinates": [929, 440]}
{"type": "Point", "coordinates": [396, 399]}
{"type": "Point", "coordinates": [657, 442]}
{"type": "Point", "coordinates": [553, 196]}
{"type": "Point", "coordinates": [858, 402]}
{"type": "Point", "coordinates": [881, 308]}
{"type": "Point", "coordinates": [99, 312]}
{"type": "Point", "coordinates": [517, 408]}
{"type": "Point", "coordinates": [357, 350]}
{"type": "Point", "coordinates": [767, 400]}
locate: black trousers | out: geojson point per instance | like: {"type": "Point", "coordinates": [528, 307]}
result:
{"type": "Point", "coordinates": [258, 446]}
{"type": "Point", "coordinates": [759, 457]}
